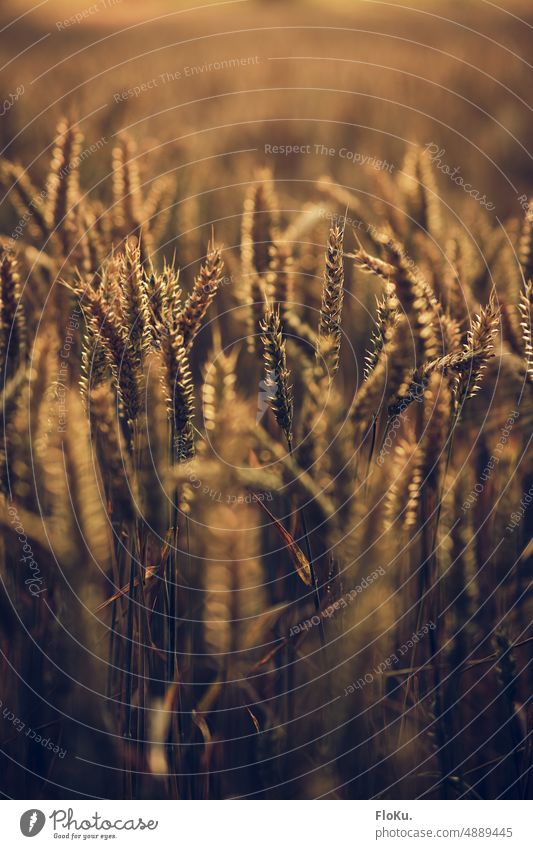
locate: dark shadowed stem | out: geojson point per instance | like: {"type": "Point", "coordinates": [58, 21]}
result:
{"type": "Point", "coordinates": [128, 721]}
{"type": "Point", "coordinates": [171, 576]}
{"type": "Point", "coordinates": [314, 578]}
{"type": "Point", "coordinates": [170, 579]}
{"type": "Point", "coordinates": [428, 551]}
{"type": "Point", "coordinates": [114, 644]}
{"type": "Point", "coordinates": [444, 476]}
{"type": "Point", "coordinates": [424, 591]}
{"type": "Point", "coordinates": [370, 454]}
{"type": "Point", "coordinates": [128, 729]}
{"type": "Point", "coordinates": [188, 668]}
{"type": "Point", "coordinates": [358, 451]}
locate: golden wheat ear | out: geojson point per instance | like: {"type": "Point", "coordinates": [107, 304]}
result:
{"type": "Point", "coordinates": [172, 294]}
{"type": "Point", "coordinates": [25, 402]}
{"type": "Point", "coordinates": [329, 328]}
{"type": "Point", "coordinates": [93, 244]}
{"type": "Point", "coordinates": [218, 391]}
{"type": "Point", "coordinates": [126, 188]}
{"type": "Point", "coordinates": [450, 330]}
{"type": "Point", "coordinates": [12, 316]}
{"type": "Point", "coordinates": [401, 500]}
{"type": "Point", "coordinates": [525, 246]}
{"type": "Point", "coordinates": [109, 332]}
{"type": "Point", "coordinates": [385, 322]}
{"type": "Point", "coordinates": [450, 342]}
{"type": "Point", "coordinates": [27, 201]}
{"type": "Point", "coordinates": [526, 325]}
{"type": "Point", "coordinates": [511, 329]}
{"type": "Point", "coordinates": [373, 265]}
{"type": "Point", "coordinates": [277, 373]}
{"type": "Point", "coordinates": [206, 285]}
{"type": "Point", "coordinates": [260, 225]}
{"type": "Point", "coordinates": [136, 320]}
{"type": "Point", "coordinates": [477, 351]}
{"type": "Point", "coordinates": [389, 378]}
{"type": "Point", "coordinates": [416, 299]}
{"type": "Point", "coordinates": [179, 392]}
{"type": "Point", "coordinates": [411, 183]}
{"type": "Point", "coordinates": [260, 258]}
{"type": "Point", "coordinates": [63, 191]}
{"type": "Point", "coordinates": [283, 276]}
{"type": "Point", "coordinates": [93, 365]}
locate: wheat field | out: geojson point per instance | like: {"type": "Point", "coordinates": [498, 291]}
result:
{"type": "Point", "coordinates": [266, 304]}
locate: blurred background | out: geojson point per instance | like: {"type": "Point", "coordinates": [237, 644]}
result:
{"type": "Point", "coordinates": [375, 77]}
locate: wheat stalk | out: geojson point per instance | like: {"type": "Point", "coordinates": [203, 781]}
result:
{"type": "Point", "coordinates": [113, 455]}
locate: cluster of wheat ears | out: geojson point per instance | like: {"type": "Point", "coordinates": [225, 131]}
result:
{"type": "Point", "coordinates": [178, 537]}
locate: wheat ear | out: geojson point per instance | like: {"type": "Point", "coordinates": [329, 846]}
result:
{"type": "Point", "coordinates": [178, 385]}
{"type": "Point", "coordinates": [206, 285]}
{"type": "Point", "coordinates": [277, 374]}
{"type": "Point", "coordinates": [525, 247]}
{"type": "Point", "coordinates": [12, 319]}
{"type": "Point", "coordinates": [329, 328]}
{"type": "Point", "coordinates": [526, 324]}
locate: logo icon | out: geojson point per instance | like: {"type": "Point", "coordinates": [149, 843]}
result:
{"type": "Point", "coordinates": [32, 822]}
